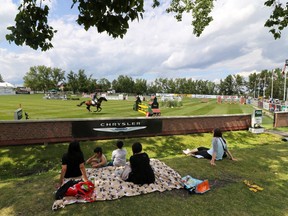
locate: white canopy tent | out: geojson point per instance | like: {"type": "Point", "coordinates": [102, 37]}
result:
{"type": "Point", "coordinates": [6, 88]}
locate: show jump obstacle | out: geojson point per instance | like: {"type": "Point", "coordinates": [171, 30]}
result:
{"type": "Point", "coordinates": [148, 111]}
{"type": "Point", "coordinates": [231, 99]}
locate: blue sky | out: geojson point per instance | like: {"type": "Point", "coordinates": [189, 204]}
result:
{"type": "Point", "coordinates": [158, 46]}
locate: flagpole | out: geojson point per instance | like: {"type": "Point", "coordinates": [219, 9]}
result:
{"type": "Point", "coordinates": [255, 89]}
{"type": "Point", "coordinates": [284, 86]}
{"type": "Point", "coordinates": [259, 87]}
{"type": "Point", "coordinates": [284, 97]}
{"type": "Point", "coordinates": [272, 83]}
{"type": "Point", "coordinates": [264, 83]}
{"type": "Point", "coordinates": [285, 82]}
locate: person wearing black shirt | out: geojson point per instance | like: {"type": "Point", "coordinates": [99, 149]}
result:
{"type": "Point", "coordinates": [137, 102]}
{"type": "Point", "coordinates": [155, 104]}
{"type": "Point", "coordinates": [142, 172]}
{"type": "Point", "coordinates": [73, 163]}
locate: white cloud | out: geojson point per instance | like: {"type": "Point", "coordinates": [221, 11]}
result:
{"type": "Point", "coordinates": [158, 46]}
{"type": "Point", "coordinates": [246, 74]}
{"type": "Point", "coordinates": [7, 15]}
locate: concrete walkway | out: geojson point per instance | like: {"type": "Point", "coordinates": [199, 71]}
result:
{"type": "Point", "coordinates": [281, 133]}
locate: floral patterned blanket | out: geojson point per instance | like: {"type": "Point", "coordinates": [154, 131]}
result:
{"type": "Point", "coordinates": [109, 185]}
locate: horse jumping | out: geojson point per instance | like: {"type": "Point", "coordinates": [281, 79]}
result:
{"type": "Point", "coordinates": [88, 104]}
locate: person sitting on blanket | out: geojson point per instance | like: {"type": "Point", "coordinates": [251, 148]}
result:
{"type": "Point", "coordinates": [118, 155]}
{"type": "Point", "coordinates": [73, 164]}
{"type": "Point", "coordinates": [98, 159]}
{"type": "Point", "coordinates": [218, 150]}
{"type": "Point", "coordinates": [141, 170]}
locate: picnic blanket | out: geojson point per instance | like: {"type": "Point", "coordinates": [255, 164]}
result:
{"type": "Point", "coordinates": [109, 185]}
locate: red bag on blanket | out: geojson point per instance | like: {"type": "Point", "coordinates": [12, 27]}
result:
{"type": "Point", "coordinates": [82, 189]}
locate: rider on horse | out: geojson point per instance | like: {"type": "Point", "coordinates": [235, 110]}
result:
{"type": "Point", "coordinates": [154, 104]}
{"type": "Point", "coordinates": [94, 99]}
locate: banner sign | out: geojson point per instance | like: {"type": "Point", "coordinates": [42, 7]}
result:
{"type": "Point", "coordinates": [256, 118]}
{"type": "Point", "coordinates": [204, 96]}
{"type": "Point", "coordinates": [18, 114]}
{"type": "Point", "coordinates": [258, 113]}
{"type": "Point", "coordinates": [121, 127]}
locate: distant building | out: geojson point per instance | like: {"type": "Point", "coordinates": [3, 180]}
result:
{"type": "Point", "coordinates": [111, 91]}
{"type": "Point", "coordinates": [6, 88]}
{"type": "Point", "coordinates": [22, 90]}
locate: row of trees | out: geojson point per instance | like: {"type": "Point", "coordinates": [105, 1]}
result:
{"type": "Point", "coordinates": [42, 78]}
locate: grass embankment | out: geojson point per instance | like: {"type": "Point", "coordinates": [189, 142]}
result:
{"type": "Point", "coordinates": [29, 174]}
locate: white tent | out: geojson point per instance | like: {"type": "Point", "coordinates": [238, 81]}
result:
{"type": "Point", "coordinates": [6, 88]}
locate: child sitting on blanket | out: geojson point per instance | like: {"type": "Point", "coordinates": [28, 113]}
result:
{"type": "Point", "coordinates": [118, 155]}
{"type": "Point", "coordinates": [98, 159]}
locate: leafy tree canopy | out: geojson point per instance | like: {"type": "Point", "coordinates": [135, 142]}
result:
{"type": "Point", "coordinates": [113, 17]}
{"type": "Point", "coordinates": [42, 78]}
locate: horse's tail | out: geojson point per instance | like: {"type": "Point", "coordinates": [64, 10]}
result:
{"type": "Point", "coordinates": [81, 103]}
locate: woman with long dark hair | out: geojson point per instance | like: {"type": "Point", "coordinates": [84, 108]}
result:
{"type": "Point", "coordinates": [73, 164]}
{"type": "Point", "coordinates": [142, 172]}
{"type": "Point", "coordinates": [218, 150]}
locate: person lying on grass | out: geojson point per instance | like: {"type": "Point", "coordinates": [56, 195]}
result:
{"type": "Point", "coordinates": [98, 159]}
{"type": "Point", "coordinates": [73, 164]}
{"type": "Point", "coordinates": [218, 150]}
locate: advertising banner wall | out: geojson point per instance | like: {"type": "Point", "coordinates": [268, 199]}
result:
{"type": "Point", "coordinates": [116, 128]}
{"type": "Point", "coordinates": [203, 96]}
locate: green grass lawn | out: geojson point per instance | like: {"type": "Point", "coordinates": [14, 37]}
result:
{"type": "Point", "coordinates": [39, 108]}
{"type": "Point", "coordinates": [28, 174]}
